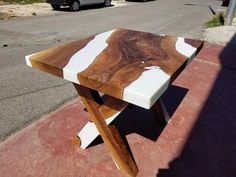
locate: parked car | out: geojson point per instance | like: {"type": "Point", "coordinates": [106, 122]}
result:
{"type": "Point", "coordinates": [75, 4]}
{"type": "Point", "coordinates": [225, 2]}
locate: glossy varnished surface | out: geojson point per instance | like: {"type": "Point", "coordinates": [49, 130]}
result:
{"type": "Point", "coordinates": [134, 66]}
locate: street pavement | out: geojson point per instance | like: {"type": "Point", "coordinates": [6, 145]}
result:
{"type": "Point", "coordinates": [27, 94]}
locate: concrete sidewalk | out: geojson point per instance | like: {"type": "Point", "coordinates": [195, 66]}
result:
{"type": "Point", "coordinates": [198, 141]}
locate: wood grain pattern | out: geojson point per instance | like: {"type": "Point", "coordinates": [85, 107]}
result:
{"type": "Point", "coordinates": [110, 62]}
{"type": "Point", "coordinates": [114, 62]}
{"type": "Point", "coordinates": [108, 105]}
{"type": "Point", "coordinates": [111, 106]}
{"type": "Point", "coordinates": [125, 59]}
{"type": "Point", "coordinates": [159, 112]}
{"type": "Point", "coordinates": [111, 139]}
{"type": "Point", "coordinates": [133, 171]}
{"type": "Point", "coordinates": [195, 43]}
{"type": "Point", "coordinates": [55, 59]}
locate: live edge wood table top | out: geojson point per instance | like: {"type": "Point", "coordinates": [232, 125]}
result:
{"type": "Point", "coordinates": [129, 66]}
{"type": "Point", "coordinates": [136, 67]}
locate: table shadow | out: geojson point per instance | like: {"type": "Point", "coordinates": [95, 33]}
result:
{"type": "Point", "coordinates": [210, 149]}
{"type": "Point", "coordinates": [141, 121]}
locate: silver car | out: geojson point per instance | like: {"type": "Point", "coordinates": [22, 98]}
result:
{"type": "Point", "coordinates": [76, 4]}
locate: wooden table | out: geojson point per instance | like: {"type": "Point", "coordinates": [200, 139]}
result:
{"type": "Point", "coordinates": [129, 67]}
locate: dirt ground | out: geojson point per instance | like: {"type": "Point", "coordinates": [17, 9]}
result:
{"type": "Point", "coordinates": [14, 10]}
{"type": "Point", "coordinates": [8, 11]}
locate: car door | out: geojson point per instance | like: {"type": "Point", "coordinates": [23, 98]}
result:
{"type": "Point", "coordinates": [89, 2]}
{"type": "Point", "coordinates": [85, 2]}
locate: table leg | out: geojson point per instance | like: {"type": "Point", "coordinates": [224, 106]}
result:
{"type": "Point", "coordinates": [160, 111]}
{"type": "Point", "coordinates": [89, 132]}
{"type": "Point", "coordinates": [110, 136]}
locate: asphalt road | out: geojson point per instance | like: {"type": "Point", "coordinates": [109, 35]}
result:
{"type": "Point", "coordinates": [27, 94]}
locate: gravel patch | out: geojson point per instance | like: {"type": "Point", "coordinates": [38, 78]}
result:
{"type": "Point", "coordinates": [8, 11]}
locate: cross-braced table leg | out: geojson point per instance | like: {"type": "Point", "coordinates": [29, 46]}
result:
{"type": "Point", "coordinates": [109, 134]}
{"type": "Point", "coordinates": [160, 112]}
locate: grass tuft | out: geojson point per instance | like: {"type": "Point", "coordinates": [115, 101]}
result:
{"type": "Point", "coordinates": [217, 20]}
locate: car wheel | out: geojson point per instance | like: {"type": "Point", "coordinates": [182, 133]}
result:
{"type": "Point", "coordinates": [225, 3]}
{"type": "Point", "coordinates": [55, 7]}
{"type": "Point", "coordinates": [107, 3]}
{"type": "Point", "coordinates": [75, 6]}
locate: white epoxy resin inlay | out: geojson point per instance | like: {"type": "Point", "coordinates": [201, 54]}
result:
{"type": "Point", "coordinates": [185, 49]}
{"type": "Point", "coordinates": [27, 59]}
{"type": "Point", "coordinates": [86, 56]}
{"type": "Point", "coordinates": [90, 132]}
{"type": "Point", "coordinates": [147, 88]}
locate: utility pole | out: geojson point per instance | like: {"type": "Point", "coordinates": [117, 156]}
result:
{"type": "Point", "coordinates": [230, 12]}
